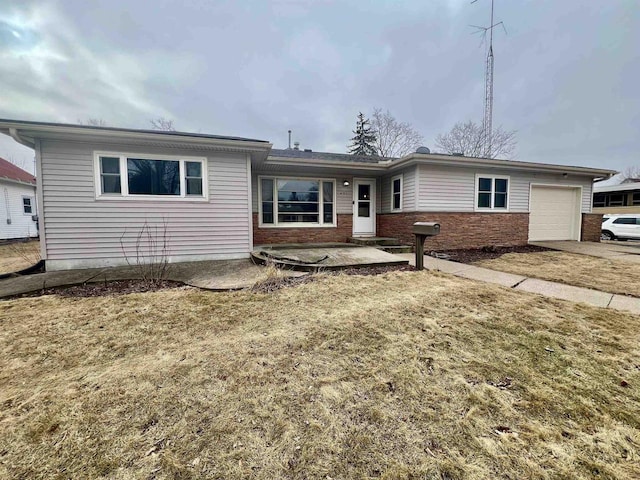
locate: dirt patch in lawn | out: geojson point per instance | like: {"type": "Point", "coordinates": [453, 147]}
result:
{"type": "Point", "coordinates": [571, 269]}
{"type": "Point", "coordinates": [471, 255]}
{"type": "Point", "coordinates": [400, 375]}
{"type": "Point", "coordinates": [116, 287]}
{"type": "Point", "coordinates": [16, 256]}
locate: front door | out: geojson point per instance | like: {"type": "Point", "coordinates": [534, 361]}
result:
{"type": "Point", "coordinates": [364, 208]}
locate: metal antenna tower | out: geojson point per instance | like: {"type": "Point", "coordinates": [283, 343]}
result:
{"type": "Point", "coordinates": [487, 121]}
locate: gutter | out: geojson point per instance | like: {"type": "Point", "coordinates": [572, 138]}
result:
{"type": "Point", "coordinates": [13, 133]}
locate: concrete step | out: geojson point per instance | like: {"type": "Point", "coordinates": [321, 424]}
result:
{"type": "Point", "coordinates": [396, 248]}
{"type": "Point", "coordinates": [373, 241]}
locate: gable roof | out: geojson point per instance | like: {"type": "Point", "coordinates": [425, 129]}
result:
{"type": "Point", "coordinates": [8, 171]}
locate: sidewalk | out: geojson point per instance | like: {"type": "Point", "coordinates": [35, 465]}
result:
{"type": "Point", "coordinates": [532, 285]}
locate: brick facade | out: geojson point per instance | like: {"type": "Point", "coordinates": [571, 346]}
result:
{"type": "Point", "coordinates": [459, 230]}
{"type": "Point", "coordinates": [591, 227]}
{"type": "Point", "coordinates": [266, 236]}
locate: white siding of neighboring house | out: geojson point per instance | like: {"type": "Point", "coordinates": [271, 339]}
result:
{"type": "Point", "coordinates": [452, 189]}
{"type": "Point", "coordinates": [408, 190]}
{"type": "Point", "coordinates": [82, 231]}
{"type": "Point", "coordinates": [14, 223]}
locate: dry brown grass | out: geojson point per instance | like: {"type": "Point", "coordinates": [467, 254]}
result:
{"type": "Point", "coordinates": [402, 375]}
{"type": "Point", "coordinates": [19, 255]}
{"type": "Point", "coordinates": [572, 269]}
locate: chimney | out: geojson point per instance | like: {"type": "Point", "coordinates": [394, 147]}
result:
{"type": "Point", "coordinates": [296, 145]}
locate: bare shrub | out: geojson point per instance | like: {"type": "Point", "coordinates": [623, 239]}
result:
{"type": "Point", "coordinates": [151, 252]}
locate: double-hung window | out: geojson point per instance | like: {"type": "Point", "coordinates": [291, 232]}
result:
{"type": "Point", "coordinates": [492, 193]}
{"type": "Point", "coordinates": [150, 176]}
{"type": "Point", "coordinates": [297, 201]}
{"type": "Point", "coordinates": [396, 193]}
{"type": "Point", "coordinates": [27, 205]}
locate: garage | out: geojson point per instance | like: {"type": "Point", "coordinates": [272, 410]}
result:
{"type": "Point", "coordinates": [554, 213]}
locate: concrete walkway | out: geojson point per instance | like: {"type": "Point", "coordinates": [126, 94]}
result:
{"type": "Point", "coordinates": [532, 285]}
{"type": "Point", "coordinates": [210, 275]}
{"type": "Point", "coordinates": [609, 250]}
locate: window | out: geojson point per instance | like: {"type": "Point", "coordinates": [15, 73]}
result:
{"type": "Point", "coordinates": [27, 206]}
{"type": "Point", "coordinates": [626, 221]}
{"type": "Point", "coordinates": [492, 193]}
{"type": "Point", "coordinates": [131, 176]}
{"type": "Point", "coordinates": [635, 199]}
{"type": "Point", "coordinates": [396, 193]}
{"type": "Point", "coordinates": [297, 201]}
{"type": "Point", "coordinates": [617, 200]}
{"type": "Point", "coordinates": [599, 200]}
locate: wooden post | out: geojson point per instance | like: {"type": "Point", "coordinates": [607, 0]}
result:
{"type": "Point", "coordinates": [420, 251]}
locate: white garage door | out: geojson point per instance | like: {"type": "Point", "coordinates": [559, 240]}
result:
{"type": "Point", "coordinates": [554, 213]}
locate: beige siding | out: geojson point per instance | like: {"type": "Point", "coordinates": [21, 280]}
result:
{"type": "Point", "coordinates": [408, 190]}
{"type": "Point", "coordinates": [84, 231]}
{"type": "Point", "coordinates": [452, 189]}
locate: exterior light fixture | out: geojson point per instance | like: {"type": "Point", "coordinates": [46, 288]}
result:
{"type": "Point", "coordinates": [345, 183]}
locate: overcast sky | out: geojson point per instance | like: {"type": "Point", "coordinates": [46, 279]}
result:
{"type": "Point", "coordinates": [566, 72]}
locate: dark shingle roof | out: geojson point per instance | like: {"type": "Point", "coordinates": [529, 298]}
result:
{"type": "Point", "coordinates": [9, 171]}
{"type": "Point", "coordinates": [326, 156]}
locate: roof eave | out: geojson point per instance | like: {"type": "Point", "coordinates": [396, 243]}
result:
{"type": "Point", "coordinates": [450, 160]}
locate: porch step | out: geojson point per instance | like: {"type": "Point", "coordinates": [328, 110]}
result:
{"type": "Point", "coordinates": [395, 248]}
{"type": "Point", "coordinates": [374, 241]}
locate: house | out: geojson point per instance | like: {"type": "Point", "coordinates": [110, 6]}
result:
{"type": "Point", "coordinates": [214, 197]}
{"type": "Point", "coordinates": [18, 205]}
{"type": "Point", "coordinates": [616, 199]}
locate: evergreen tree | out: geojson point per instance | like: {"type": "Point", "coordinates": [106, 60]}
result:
{"type": "Point", "coordinates": [363, 143]}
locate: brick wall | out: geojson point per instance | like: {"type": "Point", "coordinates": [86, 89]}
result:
{"type": "Point", "coordinates": [591, 226]}
{"type": "Point", "coordinates": [459, 230]}
{"type": "Point", "coordinates": [266, 236]}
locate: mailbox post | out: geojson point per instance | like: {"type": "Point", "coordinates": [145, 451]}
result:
{"type": "Point", "coordinates": [422, 230]}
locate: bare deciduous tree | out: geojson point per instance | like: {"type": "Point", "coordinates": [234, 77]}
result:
{"type": "Point", "coordinates": [631, 174]}
{"type": "Point", "coordinates": [393, 138]}
{"type": "Point", "coordinates": [468, 139]}
{"type": "Point", "coordinates": [162, 123]}
{"type": "Point", "coordinates": [93, 122]}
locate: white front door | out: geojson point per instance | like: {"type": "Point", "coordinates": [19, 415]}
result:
{"type": "Point", "coordinates": [364, 208]}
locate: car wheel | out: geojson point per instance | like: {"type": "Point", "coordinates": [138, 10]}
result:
{"type": "Point", "coordinates": [606, 235]}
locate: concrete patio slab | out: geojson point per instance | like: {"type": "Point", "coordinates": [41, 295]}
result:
{"type": "Point", "coordinates": [322, 257]}
{"type": "Point", "coordinates": [566, 292]}
{"type": "Point", "coordinates": [210, 275]}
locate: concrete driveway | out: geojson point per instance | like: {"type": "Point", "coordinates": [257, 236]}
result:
{"type": "Point", "coordinates": [611, 250]}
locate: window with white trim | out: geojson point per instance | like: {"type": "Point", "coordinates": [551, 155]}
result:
{"type": "Point", "coordinates": [27, 205]}
{"type": "Point", "coordinates": [492, 192]}
{"type": "Point", "coordinates": [155, 176]}
{"type": "Point", "coordinates": [301, 201]}
{"type": "Point", "coordinates": [396, 193]}
{"type": "Point", "coordinates": [635, 199]}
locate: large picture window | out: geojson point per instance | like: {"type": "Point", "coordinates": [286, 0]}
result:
{"type": "Point", "coordinates": [287, 201]}
{"type": "Point", "coordinates": [492, 193]}
{"type": "Point", "coordinates": [137, 175]}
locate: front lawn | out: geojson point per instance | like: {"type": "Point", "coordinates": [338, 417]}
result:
{"type": "Point", "coordinates": [19, 255]}
{"type": "Point", "coordinates": [572, 269]}
{"type": "Point", "coordinates": [402, 375]}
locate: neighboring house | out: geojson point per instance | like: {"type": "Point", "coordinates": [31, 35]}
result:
{"type": "Point", "coordinates": [623, 198]}
{"type": "Point", "coordinates": [18, 205]}
{"type": "Point", "coordinates": [220, 196]}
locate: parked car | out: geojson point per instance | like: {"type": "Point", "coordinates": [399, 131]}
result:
{"type": "Point", "coordinates": [621, 227]}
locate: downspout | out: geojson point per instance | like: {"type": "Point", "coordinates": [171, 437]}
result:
{"type": "Point", "coordinates": [13, 132]}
